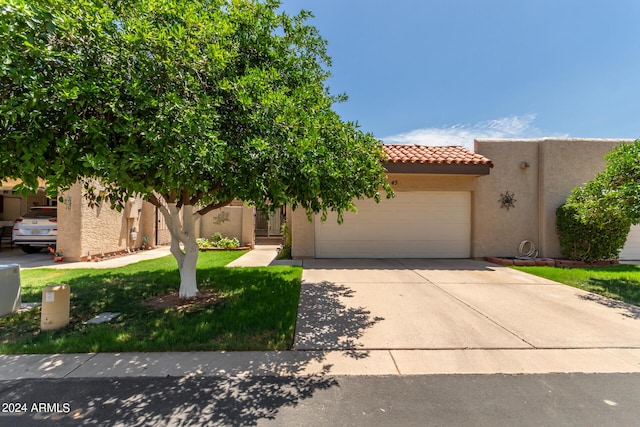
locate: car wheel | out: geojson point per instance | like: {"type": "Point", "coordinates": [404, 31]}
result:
{"type": "Point", "coordinates": [30, 249]}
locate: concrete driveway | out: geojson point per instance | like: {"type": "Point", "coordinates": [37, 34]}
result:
{"type": "Point", "coordinates": [423, 304]}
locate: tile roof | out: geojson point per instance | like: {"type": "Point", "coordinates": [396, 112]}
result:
{"type": "Point", "coordinates": [452, 155]}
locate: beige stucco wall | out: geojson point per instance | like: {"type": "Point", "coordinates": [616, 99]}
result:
{"type": "Point", "coordinates": [422, 182]}
{"type": "Point", "coordinates": [496, 230]}
{"type": "Point", "coordinates": [235, 220]}
{"type": "Point", "coordinates": [303, 243]}
{"type": "Point", "coordinates": [70, 224]}
{"type": "Point", "coordinates": [146, 225]}
{"type": "Point", "coordinates": [104, 230]}
{"type": "Point", "coordinates": [85, 231]}
{"type": "Point", "coordinates": [556, 166]}
{"type": "Point", "coordinates": [13, 207]}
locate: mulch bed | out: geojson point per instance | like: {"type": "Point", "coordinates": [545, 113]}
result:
{"type": "Point", "coordinates": [173, 300]}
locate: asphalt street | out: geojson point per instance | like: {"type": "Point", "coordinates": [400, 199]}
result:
{"type": "Point", "coordinates": [443, 400]}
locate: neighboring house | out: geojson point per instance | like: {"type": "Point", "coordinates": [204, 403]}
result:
{"type": "Point", "coordinates": [87, 232]}
{"type": "Point", "coordinates": [14, 205]}
{"type": "Point", "coordinates": [452, 203]}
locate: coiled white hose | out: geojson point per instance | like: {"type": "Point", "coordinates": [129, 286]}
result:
{"type": "Point", "coordinates": [531, 251]}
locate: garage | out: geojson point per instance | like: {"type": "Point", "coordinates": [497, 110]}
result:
{"type": "Point", "coordinates": [429, 224]}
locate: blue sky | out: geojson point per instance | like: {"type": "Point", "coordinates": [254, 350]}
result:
{"type": "Point", "coordinates": [445, 72]}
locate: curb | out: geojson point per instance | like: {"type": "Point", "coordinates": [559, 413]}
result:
{"type": "Point", "coordinates": [551, 262]}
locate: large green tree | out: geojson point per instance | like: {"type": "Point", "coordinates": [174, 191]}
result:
{"type": "Point", "coordinates": [187, 103]}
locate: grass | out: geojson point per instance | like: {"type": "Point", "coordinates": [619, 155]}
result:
{"type": "Point", "coordinates": [621, 282]}
{"type": "Point", "coordinates": [255, 309]}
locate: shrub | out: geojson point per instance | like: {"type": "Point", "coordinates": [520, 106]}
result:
{"type": "Point", "coordinates": [285, 250]}
{"type": "Point", "coordinates": [594, 222]}
{"type": "Point", "coordinates": [204, 243]}
{"type": "Point", "coordinates": [590, 239]}
{"type": "Point", "coordinates": [218, 241]}
{"type": "Point", "coordinates": [227, 243]}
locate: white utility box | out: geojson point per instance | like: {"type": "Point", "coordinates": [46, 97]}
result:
{"type": "Point", "coordinates": [10, 297]}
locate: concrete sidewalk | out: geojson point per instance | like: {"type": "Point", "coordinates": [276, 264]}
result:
{"type": "Point", "coordinates": [262, 256]}
{"type": "Point", "coordinates": [333, 363]}
{"type": "Point", "coordinates": [43, 260]}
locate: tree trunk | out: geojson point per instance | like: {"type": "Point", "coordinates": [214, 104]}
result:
{"type": "Point", "coordinates": [188, 284]}
{"type": "Point", "coordinates": [183, 231]}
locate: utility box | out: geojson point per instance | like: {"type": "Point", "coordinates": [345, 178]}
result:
{"type": "Point", "coordinates": [55, 307]}
{"type": "Point", "coordinates": [10, 295]}
{"type": "Point", "coordinates": [132, 209]}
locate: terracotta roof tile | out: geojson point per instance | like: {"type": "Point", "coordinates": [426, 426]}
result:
{"type": "Point", "coordinates": [453, 155]}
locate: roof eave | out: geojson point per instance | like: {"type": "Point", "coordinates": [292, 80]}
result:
{"type": "Point", "coordinates": [438, 168]}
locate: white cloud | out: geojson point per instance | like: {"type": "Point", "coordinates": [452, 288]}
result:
{"type": "Point", "coordinates": [463, 134]}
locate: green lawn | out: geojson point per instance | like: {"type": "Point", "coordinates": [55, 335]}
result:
{"type": "Point", "coordinates": [621, 282]}
{"type": "Point", "coordinates": [255, 309]}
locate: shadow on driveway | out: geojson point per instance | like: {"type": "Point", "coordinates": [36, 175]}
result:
{"type": "Point", "coordinates": [323, 318]}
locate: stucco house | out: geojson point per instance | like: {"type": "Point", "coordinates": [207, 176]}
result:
{"type": "Point", "coordinates": [454, 203]}
{"type": "Point", "coordinates": [87, 232]}
{"type": "Point", "coordinates": [450, 203]}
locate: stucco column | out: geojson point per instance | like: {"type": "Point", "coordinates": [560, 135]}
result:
{"type": "Point", "coordinates": [302, 235]}
{"type": "Point", "coordinates": [248, 225]}
{"type": "Point", "coordinates": [70, 223]}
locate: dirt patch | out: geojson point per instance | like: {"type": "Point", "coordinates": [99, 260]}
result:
{"type": "Point", "coordinates": [173, 300]}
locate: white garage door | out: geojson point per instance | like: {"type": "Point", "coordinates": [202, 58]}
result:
{"type": "Point", "coordinates": [631, 249]}
{"type": "Point", "coordinates": [430, 224]}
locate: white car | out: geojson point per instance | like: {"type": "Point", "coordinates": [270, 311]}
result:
{"type": "Point", "coordinates": [36, 229]}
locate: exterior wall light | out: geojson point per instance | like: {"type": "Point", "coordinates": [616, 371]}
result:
{"type": "Point", "coordinates": [67, 202]}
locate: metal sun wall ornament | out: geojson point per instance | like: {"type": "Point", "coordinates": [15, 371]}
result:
{"type": "Point", "coordinates": [507, 200]}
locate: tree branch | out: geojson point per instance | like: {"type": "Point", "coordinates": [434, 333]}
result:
{"type": "Point", "coordinates": [153, 199]}
{"type": "Point", "coordinates": [184, 197]}
{"type": "Point", "coordinates": [171, 197]}
{"type": "Point", "coordinates": [194, 199]}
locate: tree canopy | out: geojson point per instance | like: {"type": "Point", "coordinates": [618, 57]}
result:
{"type": "Point", "coordinates": [185, 103]}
